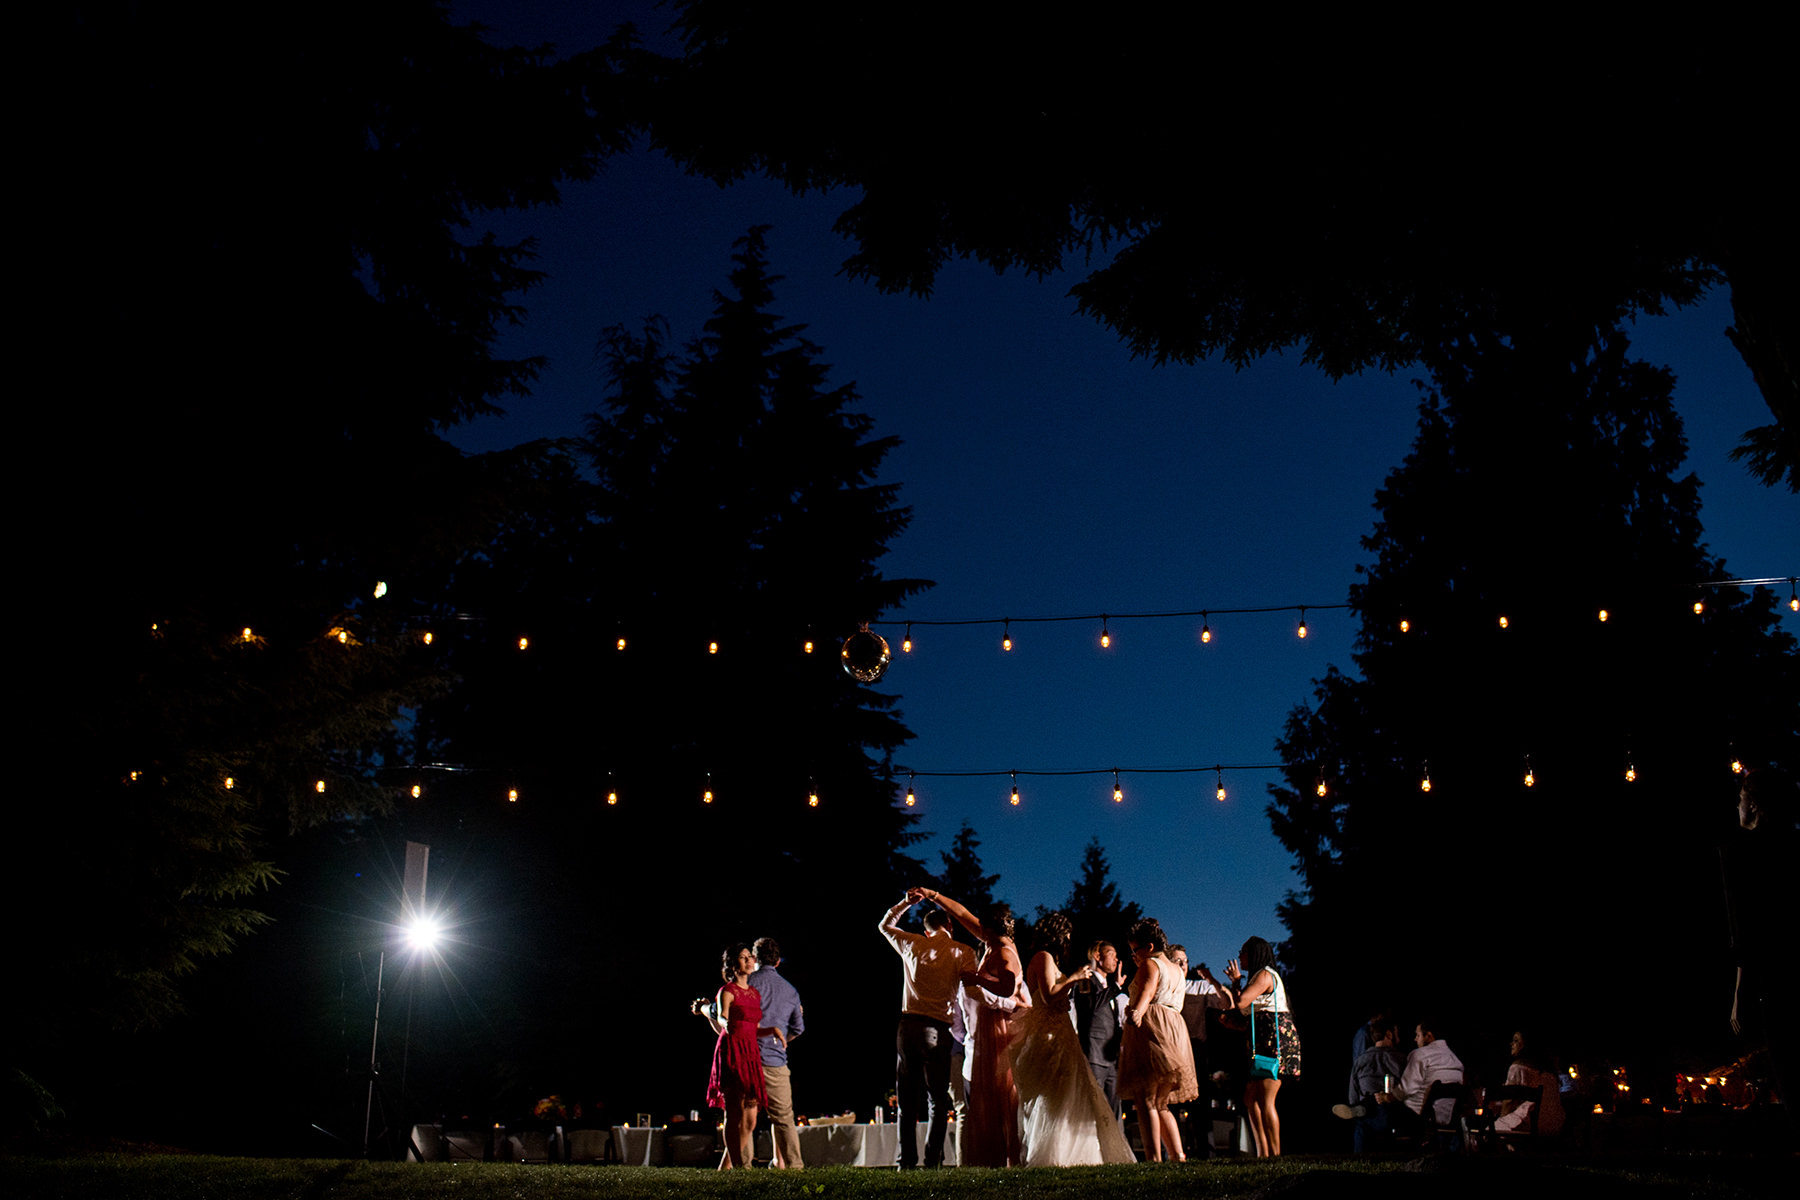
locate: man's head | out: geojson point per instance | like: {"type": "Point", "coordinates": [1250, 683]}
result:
{"type": "Point", "coordinates": [1178, 956]}
{"type": "Point", "coordinates": [1385, 1030]}
{"type": "Point", "coordinates": [1423, 1034]}
{"type": "Point", "coordinates": [768, 952]}
{"type": "Point", "coordinates": [936, 921]}
{"type": "Point", "coordinates": [1105, 956]}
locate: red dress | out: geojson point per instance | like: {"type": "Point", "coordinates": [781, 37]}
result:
{"type": "Point", "coordinates": [737, 1059]}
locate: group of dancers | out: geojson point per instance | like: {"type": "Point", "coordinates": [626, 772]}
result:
{"type": "Point", "coordinates": [1032, 1097]}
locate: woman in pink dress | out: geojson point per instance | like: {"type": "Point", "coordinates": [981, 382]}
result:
{"type": "Point", "coordinates": [990, 1137]}
{"type": "Point", "coordinates": [736, 1082]}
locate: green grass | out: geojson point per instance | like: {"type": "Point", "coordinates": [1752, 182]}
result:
{"type": "Point", "coordinates": [183, 1177]}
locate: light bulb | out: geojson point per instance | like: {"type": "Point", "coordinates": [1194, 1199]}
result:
{"type": "Point", "coordinates": [343, 636]}
{"type": "Point", "coordinates": [417, 791]}
{"type": "Point", "coordinates": [621, 643]}
{"type": "Point", "coordinates": [706, 796]}
{"type": "Point", "coordinates": [1105, 639]}
{"type": "Point", "coordinates": [1604, 615]}
{"type": "Point", "coordinates": [1405, 625]}
{"type": "Point", "coordinates": [1530, 779]}
{"type": "Point", "coordinates": [910, 798]}
{"type": "Point", "coordinates": [1630, 774]}
{"type": "Point", "coordinates": [1205, 630]}
{"type": "Point", "coordinates": [1321, 786]}
{"type": "Point", "coordinates": [1221, 792]}
{"type": "Point", "coordinates": [1737, 766]}
{"type": "Point", "coordinates": [1015, 791]}
{"type": "Point", "coordinates": [1303, 622]}
{"type": "Point", "coordinates": [1425, 784]}
{"type": "Point", "coordinates": [1006, 637]}
{"type": "Point", "coordinates": [1504, 623]}
{"type": "Point", "coordinates": [812, 799]}
{"type": "Point", "coordinates": [1220, 777]}
{"type": "Point", "coordinates": [512, 795]}
{"type": "Point", "coordinates": [809, 645]}
{"type": "Point", "coordinates": [906, 642]}
{"type": "Point", "coordinates": [319, 785]}
{"type": "Point", "coordinates": [524, 643]}
{"type": "Point", "coordinates": [380, 589]}
{"type": "Point", "coordinates": [1699, 607]}
{"type": "Point", "coordinates": [426, 637]}
{"type": "Point", "coordinates": [612, 797]}
{"type": "Point", "coordinates": [712, 647]}
{"type": "Point", "coordinates": [1118, 792]}
{"type": "Point", "coordinates": [230, 783]}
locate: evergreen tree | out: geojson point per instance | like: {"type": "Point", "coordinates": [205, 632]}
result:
{"type": "Point", "coordinates": [963, 879]}
{"type": "Point", "coordinates": [726, 497]}
{"type": "Point", "coordinates": [1541, 488]}
{"type": "Point", "coordinates": [1094, 906]}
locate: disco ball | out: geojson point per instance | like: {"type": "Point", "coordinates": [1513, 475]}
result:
{"type": "Point", "coordinates": [865, 655]}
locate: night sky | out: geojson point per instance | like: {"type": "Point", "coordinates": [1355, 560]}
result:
{"type": "Point", "coordinates": [1051, 474]}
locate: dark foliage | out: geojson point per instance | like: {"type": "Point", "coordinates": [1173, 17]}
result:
{"type": "Point", "coordinates": [1541, 488]}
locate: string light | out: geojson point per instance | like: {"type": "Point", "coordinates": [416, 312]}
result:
{"type": "Point", "coordinates": [417, 791]}
{"type": "Point", "coordinates": [1504, 623]}
{"type": "Point", "coordinates": [1205, 630]}
{"type": "Point", "coordinates": [1604, 616]}
{"type": "Point", "coordinates": [1530, 779]}
{"type": "Point", "coordinates": [246, 636]}
{"type": "Point", "coordinates": [1699, 607]}
{"type": "Point", "coordinates": [1425, 777]}
{"type": "Point", "coordinates": [809, 645]}
{"type": "Point", "coordinates": [512, 795]}
{"type": "Point", "coordinates": [1105, 633]}
{"type": "Point", "coordinates": [712, 647]}
{"type": "Point", "coordinates": [1015, 789]}
{"type": "Point", "coordinates": [612, 794]}
{"type": "Point", "coordinates": [524, 643]}
{"type": "Point", "coordinates": [1793, 597]}
{"type": "Point", "coordinates": [319, 786]}
{"type": "Point", "coordinates": [426, 637]}
{"type": "Point", "coordinates": [1737, 766]}
{"type": "Point", "coordinates": [1405, 625]}
{"type": "Point", "coordinates": [1320, 786]}
{"type": "Point", "coordinates": [906, 642]}
{"type": "Point", "coordinates": [706, 797]}
{"type": "Point", "coordinates": [911, 799]}
{"type": "Point", "coordinates": [1219, 775]}
{"type": "Point", "coordinates": [1630, 772]}
{"type": "Point", "coordinates": [812, 794]}
{"type": "Point", "coordinates": [1118, 792]}
{"type": "Point", "coordinates": [1006, 636]}
{"type": "Point", "coordinates": [621, 643]}
{"type": "Point", "coordinates": [380, 588]}
{"type": "Point", "coordinates": [1303, 620]}
{"type": "Point", "coordinates": [230, 783]}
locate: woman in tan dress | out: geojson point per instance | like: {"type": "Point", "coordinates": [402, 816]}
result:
{"type": "Point", "coordinates": [1156, 1059]}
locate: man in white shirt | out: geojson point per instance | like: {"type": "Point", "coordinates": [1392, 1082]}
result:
{"type": "Point", "coordinates": [932, 967]}
{"type": "Point", "coordinates": [1431, 1062]}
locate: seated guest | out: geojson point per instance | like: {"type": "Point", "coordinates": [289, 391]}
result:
{"type": "Point", "coordinates": [1431, 1063]}
{"type": "Point", "coordinates": [1531, 1069]}
{"type": "Point", "coordinates": [1374, 1072]}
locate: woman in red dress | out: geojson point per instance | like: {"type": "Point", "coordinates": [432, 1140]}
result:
{"type": "Point", "coordinates": [736, 1083]}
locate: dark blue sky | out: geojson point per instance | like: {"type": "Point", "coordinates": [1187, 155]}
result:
{"type": "Point", "coordinates": [1050, 474]}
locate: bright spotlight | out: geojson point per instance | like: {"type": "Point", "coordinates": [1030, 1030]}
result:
{"type": "Point", "coordinates": [422, 934]}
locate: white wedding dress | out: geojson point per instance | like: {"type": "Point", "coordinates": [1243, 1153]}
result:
{"type": "Point", "coordinates": [1063, 1115]}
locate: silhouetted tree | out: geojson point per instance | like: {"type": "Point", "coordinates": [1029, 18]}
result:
{"type": "Point", "coordinates": [727, 496]}
{"type": "Point", "coordinates": [1273, 199]}
{"type": "Point", "coordinates": [1094, 906]}
{"type": "Point", "coordinates": [963, 878]}
{"type": "Point", "coordinates": [1541, 489]}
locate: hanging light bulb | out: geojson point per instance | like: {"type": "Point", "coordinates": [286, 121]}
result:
{"type": "Point", "coordinates": [1303, 620]}
{"type": "Point", "coordinates": [380, 589]}
{"type": "Point", "coordinates": [1405, 625]}
{"type": "Point", "coordinates": [1793, 597]}
{"type": "Point", "coordinates": [911, 799]}
{"type": "Point", "coordinates": [319, 785]}
{"type": "Point", "coordinates": [1737, 765]}
{"type": "Point", "coordinates": [906, 642]}
{"type": "Point", "coordinates": [1504, 623]}
{"type": "Point", "coordinates": [426, 637]}
{"type": "Point", "coordinates": [524, 643]}
{"type": "Point", "coordinates": [1425, 777]}
{"type": "Point", "coordinates": [1630, 772]}
{"type": "Point", "coordinates": [712, 647]}
{"type": "Point", "coordinates": [812, 795]}
{"type": "Point", "coordinates": [1699, 607]}
{"type": "Point", "coordinates": [1530, 779]}
{"type": "Point", "coordinates": [809, 645]}
{"type": "Point", "coordinates": [1320, 786]}
{"type": "Point", "coordinates": [1219, 777]}
{"type": "Point", "coordinates": [230, 783]}
{"type": "Point", "coordinates": [706, 797]}
{"type": "Point", "coordinates": [1105, 633]}
{"type": "Point", "coordinates": [621, 643]}
{"type": "Point", "coordinates": [612, 794]}
{"type": "Point", "coordinates": [1604, 616]}
{"type": "Point", "coordinates": [1205, 630]}
{"type": "Point", "coordinates": [512, 795]}
{"type": "Point", "coordinates": [1015, 789]}
{"type": "Point", "coordinates": [246, 636]}
{"type": "Point", "coordinates": [417, 791]}
{"type": "Point", "coordinates": [1118, 792]}
{"type": "Point", "coordinates": [1006, 636]}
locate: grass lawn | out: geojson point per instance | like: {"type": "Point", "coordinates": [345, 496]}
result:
{"type": "Point", "coordinates": [188, 1177]}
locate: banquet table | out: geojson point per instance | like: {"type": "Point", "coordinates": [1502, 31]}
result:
{"type": "Point", "coordinates": [820, 1145]}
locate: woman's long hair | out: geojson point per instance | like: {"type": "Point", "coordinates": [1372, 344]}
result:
{"type": "Point", "coordinates": [1149, 932]}
{"type": "Point", "coordinates": [728, 961]}
{"type": "Point", "coordinates": [1257, 955]}
{"type": "Point", "coordinates": [1051, 934]}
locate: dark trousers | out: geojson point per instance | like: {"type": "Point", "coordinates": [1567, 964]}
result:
{"type": "Point", "coordinates": [922, 1087]}
{"type": "Point", "coordinates": [1107, 1076]}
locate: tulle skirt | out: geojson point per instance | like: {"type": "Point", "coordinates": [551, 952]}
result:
{"type": "Point", "coordinates": [1156, 1057]}
{"type": "Point", "coordinates": [1064, 1117]}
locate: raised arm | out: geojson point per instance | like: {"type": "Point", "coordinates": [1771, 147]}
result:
{"type": "Point", "coordinates": [1046, 980]}
{"type": "Point", "coordinates": [890, 920]}
{"type": "Point", "coordinates": [963, 916]}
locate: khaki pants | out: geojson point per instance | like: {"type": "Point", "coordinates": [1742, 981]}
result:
{"type": "Point", "coordinates": [782, 1135]}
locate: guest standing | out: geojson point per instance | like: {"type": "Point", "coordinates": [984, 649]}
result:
{"type": "Point", "coordinates": [1156, 1059]}
{"type": "Point", "coordinates": [932, 966]}
{"type": "Point", "coordinates": [782, 1009]}
{"type": "Point", "coordinates": [992, 1138]}
{"type": "Point", "coordinates": [736, 1083]}
{"type": "Point", "coordinates": [1263, 999]}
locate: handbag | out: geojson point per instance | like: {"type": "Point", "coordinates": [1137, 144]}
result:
{"type": "Point", "coordinates": [1264, 1066]}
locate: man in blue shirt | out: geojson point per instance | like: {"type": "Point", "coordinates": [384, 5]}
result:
{"type": "Point", "coordinates": [781, 1008]}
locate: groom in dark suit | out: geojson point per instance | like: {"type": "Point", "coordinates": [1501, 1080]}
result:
{"type": "Point", "coordinates": [1097, 1019]}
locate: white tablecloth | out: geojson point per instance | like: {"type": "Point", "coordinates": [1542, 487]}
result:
{"type": "Point", "coordinates": [820, 1145]}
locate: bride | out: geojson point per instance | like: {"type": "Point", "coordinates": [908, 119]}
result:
{"type": "Point", "coordinates": [1065, 1119]}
